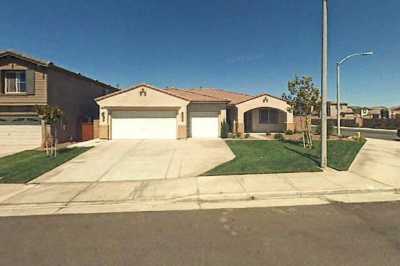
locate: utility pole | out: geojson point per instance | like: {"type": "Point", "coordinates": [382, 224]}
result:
{"type": "Point", "coordinates": [324, 83]}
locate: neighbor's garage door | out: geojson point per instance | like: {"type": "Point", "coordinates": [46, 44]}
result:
{"type": "Point", "coordinates": [143, 125]}
{"type": "Point", "coordinates": [204, 125]}
{"type": "Point", "coordinates": [25, 132]}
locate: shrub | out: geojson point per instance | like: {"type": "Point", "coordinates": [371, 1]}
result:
{"type": "Point", "coordinates": [279, 136]}
{"type": "Point", "coordinates": [224, 129]}
{"type": "Point", "coordinates": [238, 135]}
{"type": "Point", "coordinates": [247, 135]}
{"type": "Point", "coordinates": [289, 132]}
{"type": "Point", "coordinates": [267, 133]}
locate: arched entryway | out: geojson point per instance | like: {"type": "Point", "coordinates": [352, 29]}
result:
{"type": "Point", "coordinates": [265, 119]}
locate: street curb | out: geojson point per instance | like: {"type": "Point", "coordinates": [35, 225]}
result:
{"type": "Point", "coordinates": [206, 198]}
{"type": "Point", "coordinates": [278, 195]}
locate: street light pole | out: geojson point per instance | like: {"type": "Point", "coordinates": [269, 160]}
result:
{"type": "Point", "coordinates": [338, 65]}
{"type": "Point", "coordinates": [324, 83]}
{"type": "Point", "coordinates": [338, 108]}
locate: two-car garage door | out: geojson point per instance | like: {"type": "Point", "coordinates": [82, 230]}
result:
{"type": "Point", "coordinates": [144, 125]}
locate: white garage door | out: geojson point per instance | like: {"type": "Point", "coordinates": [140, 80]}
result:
{"type": "Point", "coordinates": [21, 135]}
{"type": "Point", "coordinates": [204, 125]}
{"type": "Point", "coordinates": [143, 125]}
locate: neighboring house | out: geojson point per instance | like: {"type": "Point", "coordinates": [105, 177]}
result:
{"type": "Point", "coordinates": [147, 112]}
{"type": "Point", "coordinates": [377, 112]}
{"type": "Point", "coordinates": [395, 112]}
{"type": "Point", "coordinates": [26, 82]}
{"type": "Point", "coordinates": [346, 112]}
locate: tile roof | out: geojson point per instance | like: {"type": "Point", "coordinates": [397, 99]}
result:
{"type": "Point", "coordinates": [179, 93]}
{"type": "Point", "coordinates": [196, 94]}
{"type": "Point", "coordinates": [232, 97]}
{"type": "Point", "coordinates": [193, 96]}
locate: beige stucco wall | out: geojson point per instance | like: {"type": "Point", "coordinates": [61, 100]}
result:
{"type": "Point", "coordinates": [154, 100]}
{"type": "Point", "coordinates": [217, 108]}
{"type": "Point", "coordinates": [264, 101]}
{"type": "Point", "coordinates": [103, 132]}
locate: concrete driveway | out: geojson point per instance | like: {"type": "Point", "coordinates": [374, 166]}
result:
{"type": "Point", "coordinates": [120, 160]}
{"type": "Point", "coordinates": [379, 160]}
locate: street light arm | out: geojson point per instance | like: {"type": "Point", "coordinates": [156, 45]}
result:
{"type": "Point", "coordinates": [353, 55]}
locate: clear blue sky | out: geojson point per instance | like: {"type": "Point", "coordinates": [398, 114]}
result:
{"type": "Point", "coordinates": [252, 46]}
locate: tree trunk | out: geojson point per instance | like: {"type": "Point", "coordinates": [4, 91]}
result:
{"type": "Point", "coordinates": [55, 141]}
{"type": "Point", "coordinates": [46, 141]}
{"type": "Point", "coordinates": [309, 142]}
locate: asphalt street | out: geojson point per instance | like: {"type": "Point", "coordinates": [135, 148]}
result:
{"type": "Point", "coordinates": [335, 234]}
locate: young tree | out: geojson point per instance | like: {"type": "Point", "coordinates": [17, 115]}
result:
{"type": "Point", "coordinates": [51, 116]}
{"type": "Point", "coordinates": [304, 99]}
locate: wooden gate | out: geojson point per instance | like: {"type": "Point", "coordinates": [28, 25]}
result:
{"type": "Point", "coordinates": [87, 131]}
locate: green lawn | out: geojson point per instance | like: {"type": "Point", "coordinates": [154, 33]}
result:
{"type": "Point", "coordinates": [27, 165]}
{"type": "Point", "coordinates": [263, 157]}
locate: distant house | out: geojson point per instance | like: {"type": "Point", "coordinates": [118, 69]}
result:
{"type": "Point", "coordinates": [395, 111]}
{"type": "Point", "coordinates": [346, 112]}
{"type": "Point", "coordinates": [26, 82]}
{"type": "Point", "coordinates": [377, 112]}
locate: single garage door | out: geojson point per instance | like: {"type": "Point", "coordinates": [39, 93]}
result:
{"type": "Point", "coordinates": [204, 125]}
{"type": "Point", "coordinates": [143, 125]}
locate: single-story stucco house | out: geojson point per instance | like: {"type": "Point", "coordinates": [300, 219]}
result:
{"type": "Point", "coordinates": [147, 112]}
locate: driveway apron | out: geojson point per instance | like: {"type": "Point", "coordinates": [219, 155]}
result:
{"type": "Point", "coordinates": [130, 160]}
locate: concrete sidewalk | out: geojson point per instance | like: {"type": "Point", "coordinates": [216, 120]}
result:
{"type": "Point", "coordinates": [193, 193]}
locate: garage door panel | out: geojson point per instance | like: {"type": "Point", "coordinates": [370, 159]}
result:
{"type": "Point", "coordinates": [26, 135]}
{"type": "Point", "coordinates": [204, 125]}
{"type": "Point", "coordinates": [144, 125]}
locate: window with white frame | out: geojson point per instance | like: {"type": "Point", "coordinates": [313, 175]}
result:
{"type": "Point", "coordinates": [15, 82]}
